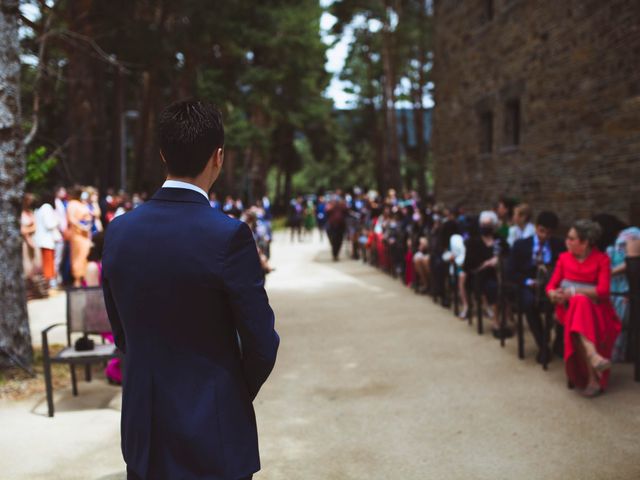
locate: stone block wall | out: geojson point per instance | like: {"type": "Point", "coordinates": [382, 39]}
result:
{"type": "Point", "coordinates": [574, 68]}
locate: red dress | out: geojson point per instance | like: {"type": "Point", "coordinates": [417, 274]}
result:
{"type": "Point", "coordinates": [596, 320]}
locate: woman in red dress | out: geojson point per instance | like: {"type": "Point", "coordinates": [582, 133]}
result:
{"type": "Point", "coordinates": [580, 289]}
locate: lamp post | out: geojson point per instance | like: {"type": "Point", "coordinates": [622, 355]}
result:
{"type": "Point", "coordinates": [127, 115]}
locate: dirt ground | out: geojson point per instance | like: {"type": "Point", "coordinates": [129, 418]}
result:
{"type": "Point", "coordinates": [372, 382]}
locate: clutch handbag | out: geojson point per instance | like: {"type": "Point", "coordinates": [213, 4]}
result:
{"type": "Point", "coordinates": [572, 283]}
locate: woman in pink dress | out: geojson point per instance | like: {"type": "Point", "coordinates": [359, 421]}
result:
{"type": "Point", "coordinates": [580, 289]}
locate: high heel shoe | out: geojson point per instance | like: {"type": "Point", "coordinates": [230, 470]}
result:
{"type": "Point", "coordinates": [591, 391]}
{"type": "Point", "coordinates": [599, 363]}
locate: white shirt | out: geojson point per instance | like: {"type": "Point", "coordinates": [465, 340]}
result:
{"type": "Point", "coordinates": [61, 211]}
{"type": "Point", "coordinates": [47, 233]}
{"type": "Point", "coordinates": [457, 250]}
{"type": "Point", "coordinates": [517, 233]}
{"type": "Point", "coordinates": [188, 186]}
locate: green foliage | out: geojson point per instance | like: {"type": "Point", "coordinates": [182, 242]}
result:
{"type": "Point", "coordinates": [39, 165]}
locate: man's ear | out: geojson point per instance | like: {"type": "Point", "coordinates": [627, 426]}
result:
{"type": "Point", "coordinates": [218, 158]}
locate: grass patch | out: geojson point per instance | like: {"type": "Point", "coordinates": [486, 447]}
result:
{"type": "Point", "coordinates": [16, 384]}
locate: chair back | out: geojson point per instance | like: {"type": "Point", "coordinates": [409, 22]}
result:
{"type": "Point", "coordinates": [86, 311]}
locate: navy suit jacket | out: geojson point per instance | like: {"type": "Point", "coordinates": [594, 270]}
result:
{"type": "Point", "coordinates": [182, 284]}
{"type": "Point", "coordinates": [521, 265]}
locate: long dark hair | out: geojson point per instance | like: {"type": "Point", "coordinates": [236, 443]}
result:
{"type": "Point", "coordinates": [95, 254]}
{"type": "Point", "coordinates": [611, 227]}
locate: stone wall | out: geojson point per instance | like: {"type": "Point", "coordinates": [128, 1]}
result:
{"type": "Point", "coordinates": [574, 67]}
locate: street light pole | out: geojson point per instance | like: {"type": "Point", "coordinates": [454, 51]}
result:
{"type": "Point", "coordinates": [132, 115]}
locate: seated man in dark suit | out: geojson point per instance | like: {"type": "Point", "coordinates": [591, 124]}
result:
{"type": "Point", "coordinates": [185, 295]}
{"type": "Point", "coordinates": [526, 258]}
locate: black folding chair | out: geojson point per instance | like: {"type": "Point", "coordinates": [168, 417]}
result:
{"type": "Point", "coordinates": [86, 314]}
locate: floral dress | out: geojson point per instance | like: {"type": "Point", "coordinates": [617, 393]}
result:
{"type": "Point", "coordinates": [620, 285]}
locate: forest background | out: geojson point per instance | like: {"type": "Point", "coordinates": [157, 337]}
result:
{"type": "Point", "coordinates": [82, 83]}
{"type": "Point", "coordinates": [96, 73]}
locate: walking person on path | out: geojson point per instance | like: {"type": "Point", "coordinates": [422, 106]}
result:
{"type": "Point", "coordinates": [336, 224]}
{"type": "Point", "coordinates": [185, 295]}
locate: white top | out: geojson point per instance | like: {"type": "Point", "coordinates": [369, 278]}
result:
{"type": "Point", "coordinates": [47, 233]}
{"type": "Point", "coordinates": [517, 233]}
{"type": "Point", "coordinates": [61, 211]}
{"type": "Point", "coordinates": [188, 186]}
{"type": "Point", "coordinates": [457, 250]}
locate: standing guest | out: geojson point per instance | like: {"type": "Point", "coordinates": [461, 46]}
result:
{"type": "Point", "coordinates": [618, 254]}
{"type": "Point", "coordinates": [580, 288]}
{"type": "Point", "coordinates": [213, 201]}
{"type": "Point", "coordinates": [136, 200]}
{"type": "Point", "coordinates": [504, 210]}
{"type": "Point", "coordinates": [229, 206]}
{"type": "Point", "coordinates": [309, 217]}
{"type": "Point", "coordinates": [27, 230]}
{"type": "Point", "coordinates": [91, 196]}
{"type": "Point", "coordinates": [63, 248]}
{"type": "Point", "coordinates": [522, 226]}
{"type": "Point", "coordinates": [527, 259]}
{"type": "Point", "coordinates": [46, 236]}
{"type": "Point", "coordinates": [296, 212]}
{"type": "Point", "coordinates": [321, 215]}
{"type": "Point", "coordinates": [124, 205]}
{"type": "Point", "coordinates": [336, 225]}
{"type": "Point", "coordinates": [191, 315]}
{"type": "Point", "coordinates": [104, 205]}
{"type": "Point", "coordinates": [79, 219]}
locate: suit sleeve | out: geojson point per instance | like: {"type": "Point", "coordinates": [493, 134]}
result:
{"type": "Point", "coordinates": [114, 317]}
{"type": "Point", "coordinates": [254, 320]}
{"type": "Point", "coordinates": [515, 266]}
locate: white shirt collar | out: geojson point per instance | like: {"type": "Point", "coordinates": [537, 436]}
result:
{"type": "Point", "coordinates": [188, 186]}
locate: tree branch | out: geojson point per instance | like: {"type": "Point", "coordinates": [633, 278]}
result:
{"type": "Point", "coordinates": [38, 80]}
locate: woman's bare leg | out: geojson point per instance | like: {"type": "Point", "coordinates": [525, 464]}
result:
{"type": "Point", "coordinates": [585, 349]}
{"type": "Point", "coordinates": [462, 291]}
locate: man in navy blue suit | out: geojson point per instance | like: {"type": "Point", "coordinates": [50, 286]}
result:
{"type": "Point", "coordinates": [526, 256]}
{"type": "Point", "coordinates": [185, 295]}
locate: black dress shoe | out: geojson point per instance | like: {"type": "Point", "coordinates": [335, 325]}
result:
{"type": "Point", "coordinates": [543, 357]}
{"type": "Point", "coordinates": [501, 333]}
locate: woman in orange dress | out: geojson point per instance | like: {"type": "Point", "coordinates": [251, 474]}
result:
{"type": "Point", "coordinates": [80, 219]}
{"type": "Point", "coordinates": [580, 289]}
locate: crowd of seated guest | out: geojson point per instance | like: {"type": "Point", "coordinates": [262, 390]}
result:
{"type": "Point", "coordinates": [441, 250]}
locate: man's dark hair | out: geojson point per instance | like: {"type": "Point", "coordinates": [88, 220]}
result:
{"type": "Point", "coordinates": [189, 132]}
{"type": "Point", "coordinates": [547, 219]}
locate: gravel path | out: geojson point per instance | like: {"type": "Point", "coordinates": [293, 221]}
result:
{"type": "Point", "coordinates": [372, 382]}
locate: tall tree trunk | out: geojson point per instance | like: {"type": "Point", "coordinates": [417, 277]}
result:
{"type": "Point", "coordinates": [229, 172]}
{"type": "Point", "coordinates": [391, 128]}
{"type": "Point", "coordinates": [15, 337]}
{"type": "Point", "coordinates": [377, 138]}
{"type": "Point", "coordinates": [118, 147]}
{"type": "Point", "coordinates": [146, 151]}
{"type": "Point", "coordinates": [418, 111]}
{"type": "Point", "coordinates": [81, 93]}
{"type": "Point", "coordinates": [258, 168]}
{"type": "Point", "coordinates": [408, 156]}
